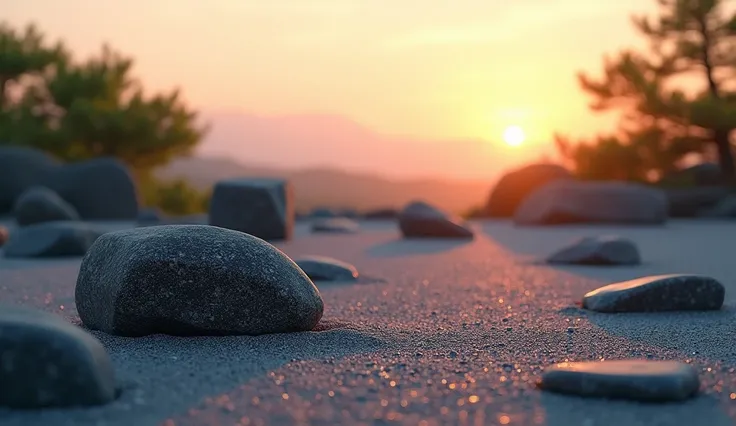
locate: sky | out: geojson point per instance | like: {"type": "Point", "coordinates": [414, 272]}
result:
{"type": "Point", "coordinates": [435, 70]}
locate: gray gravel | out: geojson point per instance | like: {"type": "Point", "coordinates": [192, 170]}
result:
{"type": "Point", "coordinates": [458, 333]}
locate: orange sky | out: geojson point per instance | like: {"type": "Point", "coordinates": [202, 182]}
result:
{"type": "Point", "coordinates": [426, 68]}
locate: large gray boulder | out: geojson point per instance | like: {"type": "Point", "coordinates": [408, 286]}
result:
{"type": "Point", "coordinates": [21, 168]}
{"type": "Point", "coordinates": [571, 201]}
{"type": "Point", "coordinates": [48, 362]}
{"type": "Point", "coordinates": [193, 280]}
{"type": "Point", "coordinates": [515, 186]}
{"type": "Point", "coordinates": [51, 239]}
{"type": "Point", "coordinates": [99, 189]}
{"type": "Point", "coordinates": [422, 220]}
{"type": "Point", "coordinates": [39, 204]}
{"type": "Point", "coordinates": [257, 206]}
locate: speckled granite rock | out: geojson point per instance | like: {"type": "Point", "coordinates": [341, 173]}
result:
{"type": "Point", "coordinates": [337, 225]}
{"type": "Point", "coordinates": [421, 220]}
{"type": "Point", "coordinates": [51, 239]}
{"type": "Point", "coordinates": [600, 250]}
{"type": "Point", "coordinates": [640, 380]}
{"type": "Point", "coordinates": [193, 280]}
{"type": "Point", "coordinates": [323, 268]}
{"type": "Point", "coordinates": [48, 362]}
{"type": "Point", "coordinates": [261, 207]}
{"type": "Point", "coordinates": [39, 204]}
{"type": "Point", "coordinates": [676, 292]}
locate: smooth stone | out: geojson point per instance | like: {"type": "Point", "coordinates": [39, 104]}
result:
{"type": "Point", "coordinates": [566, 201]}
{"type": "Point", "coordinates": [193, 280]}
{"type": "Point", "coordinates": [323, 268]}
{"type": "Point", "coordinates": [258, 206]}
{"type": "Point", "coordinates": [48, 362]}
{"type": "Point", "coordinates": [99, 189]}
{"type": "Point", "coordinates": [21, 168]}
{"type": "Point", "coordinates": [421, 220]}
{"type": "Point", "coordinates": [51, 239]}
{"type": "Point", "coordinates": [639, 380]}
{"type": "Point", "coordinates": [514, 186]}
{"type": "Point", "coordinates": [599, 250]}
{"type": "Point", "coordinates": [149, 215]}
{"type": "Point", "coordinates": [659, 293]}
{"type": "Point", "coordinates": [337, 225]}
{"type": "Point", "coordinates": [39, 204]}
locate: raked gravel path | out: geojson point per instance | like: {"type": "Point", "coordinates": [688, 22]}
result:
{"type": "Point", "coordinates": [452, 333]}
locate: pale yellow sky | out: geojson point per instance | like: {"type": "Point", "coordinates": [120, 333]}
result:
{"type": "Point", "coordinates": [426, 68]}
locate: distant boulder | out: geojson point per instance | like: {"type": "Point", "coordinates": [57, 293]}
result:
{"type": "Point", "coordinates": [691, 202]}
{"type": "Point", "coordinates": [513, 187]}
{"type": "Point", "coordinates": [725, 209]}
{"type": "Point", "coordinates": [21, 168]}
{"type": "Point", "coordinates": [99, 189]}
{"type": "Point", "coordinates": [257, 206]}
{"type": "Point", "coordinates": [571, 201]}
{"type": "Point", "coordinates": [335, 225]}
{"type": "Point", "coordinates": [421, 220]}
{"type": "Point", "coordinates": [381, 214]}
{"type": "Point", "coordinates": [39, 204]}
{"type": "Point", "coordinates": [703, 174]}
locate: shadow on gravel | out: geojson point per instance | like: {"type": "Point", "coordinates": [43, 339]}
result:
{"type": "Point", "coordinates": [413, 247]}
{"type": "Point", "coordinates": [563, 410]}
{"type": "Point", "coordinates": [165, 376]}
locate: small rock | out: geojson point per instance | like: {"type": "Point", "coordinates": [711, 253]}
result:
{"type": "Point", "coordinates": [263, 208]}
{"type": "Point", "coordinates": [639, 380]}
{"type": "Point", "coordinates": [99, 189]}
{"type": "Point", "coordinates": [51, 239]}
{"type": "Point", "coordinates": [337, 225]}
{"type": "Point", "coordinates": [421, 220]}
{"type": "Point", "coordinates": [39, 204]}
{"type": "Point", "coordinates": [323, 268]}
{"type": "Point", "coordinates": [659, 293]}
{"type": "Point", "coordinates": [149, 216]}
{"type": "Point", "coordinates": [601, 250]}
{"type": "Point", "coordinates": [21, 168]}
{"type": "Point", "coordinates": [193, 280]}
{"type": "Point", "coordinates": [48, 362]}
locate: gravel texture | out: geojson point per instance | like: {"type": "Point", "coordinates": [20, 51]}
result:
{"type": "Point", "coordinates": [459, 333]}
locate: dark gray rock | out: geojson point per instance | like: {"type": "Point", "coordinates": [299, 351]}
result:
{"type": "Point", "coordinates": [51, 239]}
{"type": "Point", "coordinates": [725, 209]}
{"type": "Point", "coordinates": [639, 380]}
{"type": "Point", "coordinates": [600, 250]}
{"type": "Point", "coordinates": [515, 186]}
{"type": "Point", "coordinates": [149, 216]}
{"type": "Point", "coordinates": [48, 362]}
{"type": "Point", "coordinates": [323, 268]}
{"type": "Point", "coordinates": [421, 220]}
{"type": "Point", "coordinates": [569, 201]}
{"type": "Point", "coordinates": [703, 174]}
{"type": "Point", "coordinates": [261, 207]}
{"type": "Point", "coordinates": [21, 168]}
{"type": "Point", "coordinates": [337, 225]}
{"type": "Point", "coordinates": [659, 293]}
{"type": "Point", "coordinates": [99, 189]}
{"type": "Point", "coordinates": [39, 204]}
{"type": "Point", "coordinates": [691, 202]}
{"type": "Point", "coordinates": [192, 280]}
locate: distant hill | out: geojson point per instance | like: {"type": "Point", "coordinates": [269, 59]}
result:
{"type": "Point", "coordinates": [335, 188]}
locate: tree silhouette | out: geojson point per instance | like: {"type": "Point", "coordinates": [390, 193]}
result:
{"type": "Point", "coordinates": [662, 123]}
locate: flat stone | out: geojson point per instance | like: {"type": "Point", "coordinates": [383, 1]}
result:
{"type": "Point", "coordinates": [337, 225]}
{"type": "Point", "coordinates": [48, 362]}
{"type": "Point", "coordinates": [40, 204]}
{"type": "Point", "coordinates": [659, 293]}
{"type": "Point", "coordinates": [261, 207]}
{"type": "Point", "coordinates": [599, 250]}
{"type": "Point", "coordinates": [99, 189]}
{"type": "Point", "coordinates": [421, 220]}
{"type": "Point", "coordinates": [565, 201]}
{"type": "Point", "coordinates": [193, 280]}
{"type": "Point", "coordinates": [639, 380]}
{"type": "Point", "coordinates": [51, 239]}
{"type": "Point", "coordinates": [323, 268]}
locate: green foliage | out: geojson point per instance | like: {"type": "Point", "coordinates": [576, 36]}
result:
{"type": "Point", "coordinates": [174, 197]}
{"type": "Point", "coordinates": [660, 124]}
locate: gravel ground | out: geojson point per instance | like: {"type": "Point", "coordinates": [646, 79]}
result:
{"type": "Point", "coordinates": [441, 333]}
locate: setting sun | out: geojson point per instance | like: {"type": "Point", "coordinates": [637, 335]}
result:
{"type": "Point", "coordinates": [513, 136]}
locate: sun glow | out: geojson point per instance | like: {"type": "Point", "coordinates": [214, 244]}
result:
{"type": "Point", "coordinates": [514, 136]}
